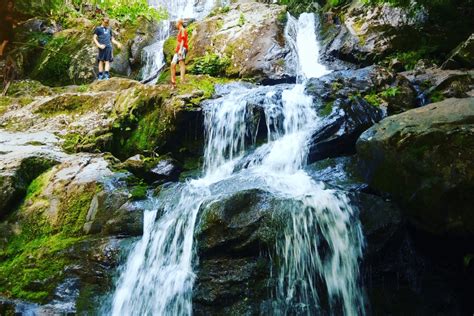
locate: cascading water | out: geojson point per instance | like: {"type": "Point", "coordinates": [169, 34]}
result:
{"type": "Point", "coordinates": [318, 252]}
{"type": "Point", "coordinates": [301, 38]}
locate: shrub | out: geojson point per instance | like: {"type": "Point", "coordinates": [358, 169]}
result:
{"type": "Point", "coordinates": [210, 64]}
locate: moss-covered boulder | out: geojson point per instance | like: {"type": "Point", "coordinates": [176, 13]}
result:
{"type": "Point", "coordinates": [243, 40]}
{"type": "Point", "coordinates": [423, 158]}
{"type": "Point", "coordinates": [59, 232]}
{"type": "Point", "coordinates": [119, 115]}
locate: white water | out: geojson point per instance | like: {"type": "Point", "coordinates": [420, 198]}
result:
{"type": "Point", "coordinates": [302, 39]}
{"type": "Point", "coordinates": [319, 250]}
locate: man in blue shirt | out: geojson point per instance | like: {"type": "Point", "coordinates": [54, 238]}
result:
{"type": "Point", "coordinates": [103, 39]}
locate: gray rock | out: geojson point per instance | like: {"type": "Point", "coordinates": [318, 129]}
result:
{"type": "Point", "coordinates": [462, 56]}
{"type": "Point", "coordinates": [424, 159]}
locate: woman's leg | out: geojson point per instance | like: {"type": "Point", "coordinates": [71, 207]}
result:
{"type": "Point", "coordinates": [173, 73]}
{"type": "Point", "coordinates": [182, 67]}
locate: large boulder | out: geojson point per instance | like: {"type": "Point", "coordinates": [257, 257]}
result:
{"type": "Point", "coordinates": [369, 33]}
{"type": "Point", "coordinates": [61, 229]}
{"type": "Point", "coordinates": [119, 115]}
{"type": "Point", "coordinates": [23, 157]}
{"type": "Point", "coordinates": [233, 236]}
{"type": "Point", "coordinates": [423, 158]}
{"type": "Point", "coordinates": [244, 40]}
{"type": "Point", "coordinates": [462, 56]}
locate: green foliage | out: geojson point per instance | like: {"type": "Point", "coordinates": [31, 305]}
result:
{"type": "Point", "coordinates": [210, 64]}
{"type": "Point", "coordinates": [373, 98]}
{"type": "Point", "coordinates": [390, 92]}
{"type": "Point", "coordinates": [436, 97]}
{"type": "Point", "coordinates": [130, 10]}
{"type": "Point", "coordinates": [55, 61]}
{"type": "Point", "coordinates": [242, 19]}
{"type": "Point", "coordinates": [410, 58]}
{"type": "Point", "coordinates": [300, 6]}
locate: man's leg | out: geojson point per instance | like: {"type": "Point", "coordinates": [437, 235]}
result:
{"type": "Point", "coordinates": [101, 70]}
{"type": "Point", "coordinates": [182, 67]}
{"type": "Point", "coordinates": [107, 69]}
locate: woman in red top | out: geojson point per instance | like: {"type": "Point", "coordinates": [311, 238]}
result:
{"type": "Point", "coordinates": [181, 51]}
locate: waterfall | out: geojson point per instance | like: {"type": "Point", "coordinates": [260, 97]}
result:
{"type": "Point", "coordinates": [317, 253]}
{"type": "Point", "coordinates": [152, 55]}
{"type": "Point", "coordinates": [301, 37]}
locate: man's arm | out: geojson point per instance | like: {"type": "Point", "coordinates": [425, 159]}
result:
{"type": "Point", "coordinates": [96, 42]}
{"type": "Point", "coordinates": [116, 43]}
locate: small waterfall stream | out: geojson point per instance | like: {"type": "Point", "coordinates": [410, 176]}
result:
{"type": "Point", "coordinates": [320, 247]}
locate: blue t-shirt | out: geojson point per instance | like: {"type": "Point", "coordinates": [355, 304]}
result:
{"type": "Point", "coordinates": [104, 35]}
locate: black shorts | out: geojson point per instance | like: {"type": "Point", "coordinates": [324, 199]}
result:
{"type": "Point", "coordinates": [6, 32]}
{"type": "Point", "coordinates": [105, 54]}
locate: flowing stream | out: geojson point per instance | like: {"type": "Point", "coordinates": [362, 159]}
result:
{"type": "Point", "coordinates": [319, 250]}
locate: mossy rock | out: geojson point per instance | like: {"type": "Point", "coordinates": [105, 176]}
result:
{"type": "Point", "coordinates": [423, 158]}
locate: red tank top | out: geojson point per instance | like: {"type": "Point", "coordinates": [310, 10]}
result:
{"type": "Point", "coordinates": [182, 37]}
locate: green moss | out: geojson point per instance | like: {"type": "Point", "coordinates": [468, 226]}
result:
{"type": "Point", "coordinates": [5, 102]}
{"type": "Point", "coordinates": [327, 109]}
{"type": "Point", "coordinates": [241, 19]}
{"type": "Point", "coordinates": [68, 104]}
{"type": "Point", "coordinates": [436, 96]}
{"type": "Point", "coordinates": [28, 88]}
{"type": "Point", "coordinates": [139, 192]}
{"type": "Point", "coordinates": [169, 48]}
{"type": "Point", "coordinates": [33, 271]}
{"type": "Point", "coordinates": [33, 261]}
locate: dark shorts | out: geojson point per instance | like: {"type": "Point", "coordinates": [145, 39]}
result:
{"type": "Point", "coordinates": [105, 54]}
{"type": "Point", "coordinates": [6, 32]}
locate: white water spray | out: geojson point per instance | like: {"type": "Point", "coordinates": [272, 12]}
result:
{"type": "Point", "coordinates": [301, 37]}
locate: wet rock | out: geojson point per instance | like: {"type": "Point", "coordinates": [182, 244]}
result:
{"type": "Point", "coordinates": [238, 223]}
{"type": "Point", "coordinates": [234, 236]}
{"type": "Point", "coordinates": [462, 56]}
{"type": "Point", "coordinates": [340, 130]}
{"type": "Point", "coordinates": [381, 218]}
{"type": "Point", "coordinates": [423, 158]}
{"type": "Point", "coordinates": [346, 113]}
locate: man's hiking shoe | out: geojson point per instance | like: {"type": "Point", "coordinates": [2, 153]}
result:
{"type": "Point", "coordinates": [100, 77]}
{"type": "Point", "coordinates": [106, 77]}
